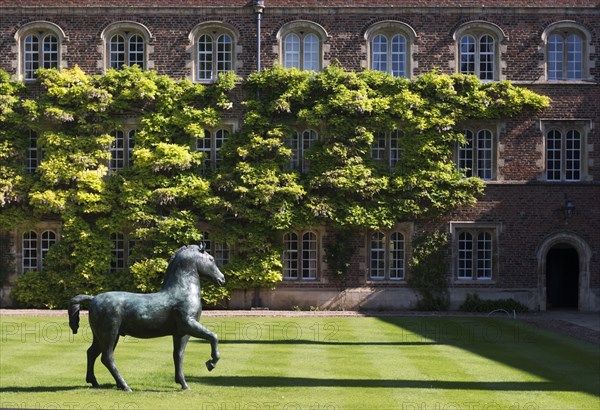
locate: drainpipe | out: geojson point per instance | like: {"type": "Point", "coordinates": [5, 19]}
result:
{"type": "Point", "coordinates": [259, 8]}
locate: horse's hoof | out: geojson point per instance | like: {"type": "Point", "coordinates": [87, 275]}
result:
{"type": "Point", "coordinates": [126, 388]}
{"type": "Point", "coordinates": [210, 365]}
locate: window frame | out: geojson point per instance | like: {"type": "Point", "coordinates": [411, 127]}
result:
{"type": "Point", "coordinates": [383, 149]}
{"type": "Point", "coordinates": [479, 30]}
{"type": "Point", "coordinates": [127, 141]}
{"type": "Point", "coordinates": [122, 254]}
{"type": "Point", "coordinates": [41, 247]}
{"type": "Point", "coordinates": [385, 251]}
{"type": "Point", "coordinates": [564, 127]}
{"type": "Point", "coordinates": [390, 29]}
{"type": "Point", "coordinates": [217, 137]}
{"type": "Point", "coordinates": [221, 253]}
{"type": "Point", "coordinates": [299, 142]}
{"type": "Point", "coordinates": [303, 30]}
{"type": "Point", "coordinates": [215, 30]}
{"type": "Point", "coordinates": [128, 30]}
{"type": "Point", "coordinates": [483, 254]}
{"type": "Point", "coordinates": [297, 258]}
{"type": "Point", "coordinates": [42, 30]}
{"type": "Point", "coordinates": [565, 29]}
{"type": "Point", "coordinates": [475, 158]}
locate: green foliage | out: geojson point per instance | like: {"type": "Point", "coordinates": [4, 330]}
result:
{"type": "Point", "coordinates": [473, 303]}
{"type": "Point", "coordinates": [428, 267]}
{"type": "Point", "coordinates": [166, 197]}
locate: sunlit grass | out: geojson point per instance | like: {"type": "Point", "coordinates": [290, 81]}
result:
{"type": "Point", "coordinates": [309, 363]}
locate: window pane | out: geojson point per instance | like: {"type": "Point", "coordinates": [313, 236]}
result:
{"type": "Point", "coordinates": [311, 53]}
{"type": "Point", "coordinates": [484, 255]}
{"type": "Point", "coordinates": [30, 252]}
{"type": "Point", "coordinates": [465, 256]}
{"type": "Point", "coordinates": [395, 150]}
{"type": "Point", "coordinates": [309, 255]}
{"type": "Point", "coordinates": [574, 57]}
{"type": "Point", "coordinates": [117, 151]}
{"type": "Point", "coordinates": [205, 58]}
{"type": "Point", "coordinates": [224, 54]}
{"type": "Point", "coordinates": [398, 56]}
{"type": "Point", "coordinates": [467, 55]}
{"type": "Point", "coordinates": [31, 162]}
{"type": "Point", "coordinates": [572, 155]}
{"type": "Point", "coordinates": [555, 57]}
{"type": "Point", "coordinates": [484, 154]}
{"type": "Point", "coordinates": [136, 51]}
{"type": "Point", "coordinates": [117, 262]}
{"type": "Point", "coordinates": [486, 58]}
{"type": "Point", "coordinates": [379, 53]}
{"type": "Point", "coordinates": [50, 54]}
{"type": "Point", "coordinates": [377, 256]}
{"type": "Point", "coordinates": [48, 239]}
{"type": "Point", "coordinates": [291, 51]}
{"type": "Point", "coordinates": [553, 155]}
{"type": "Point", "coordinates": [290, 256]}
{"type": "Point", "coordinates": [396, 256]}
{"type": "Point", "coordinates": [130, 146]}
{"type": "Point", "coordinates": [117, 52]}
{"type": "Point", "coordinates": [293, 143]}
{"type": "Point", "coordinates": [220, 138]}
{"type": "Point", "coordinates": [309, 137]}
{"type": "Point", "coordinates": [465, 154]}
{"type": "Point", "coordinates": [378, 146]}
{"type": "Point", "coordinates": [31, 56]}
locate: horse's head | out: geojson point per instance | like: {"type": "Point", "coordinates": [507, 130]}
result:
{"type": "Point", "coordinates": [205, 264]}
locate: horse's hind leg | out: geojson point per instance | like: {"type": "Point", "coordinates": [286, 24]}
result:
{"type": "Point", "coordinates": [92, 354]}
{"type": "Point", "coordinates": [179, 343]}
{"type": "Point", "coordinates": [108, 359]}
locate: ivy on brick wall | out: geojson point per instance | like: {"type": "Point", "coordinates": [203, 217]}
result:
{"type": "Point", "coordinates": [164, 198]}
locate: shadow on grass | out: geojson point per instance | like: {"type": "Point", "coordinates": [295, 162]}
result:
{"type": "Point", "coordinates": [49, 389]}
{"type": "Point", "coordinates": [272, 381]}
{"type": "Point", "coordinates": [564, 364]}
{"type": "Point", "coordinates": [324, 342]}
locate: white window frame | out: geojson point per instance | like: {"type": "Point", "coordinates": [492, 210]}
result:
{"type": "Point", "coordinates": [389, 30]}
{"type": "Point", "coordinates": [475, 251]}
{"type": "Point", "coordinates": [220, 251]}
{"type": "Point", "coordinates": [137, 40]}
{"type": "Point", "coordinates": [481, 33]}
{"type": "Point", "coordinates": [302, 45]}
{"type": "Point", "coordinates": [210, 145]}
{"type": "Point", "coordinates": [300, 142]}
{"type": "Point", "coordinates": [386, 260]}
{"type": "Point", "coordinates": [301, 255]}
{"type": "Point", "coordinates": [560, 159]}
{"type": "Point", "coordinates": [46, 34]}
{"type": "Point", "coordinates": [35, 244]}
{"type": "Point", "coordinates": [477, 157]}
{"type": "Point", "coordinates": [208, 56]}
{"type": "Point", "coordinates": [121, 149]}
{"type": "Point", "coordinates": [557, 71]}
{"type": "Point", "coordinates": [387, 147]}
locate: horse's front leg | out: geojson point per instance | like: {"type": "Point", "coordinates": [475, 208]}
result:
{"type": "Point", "coordinates": [179, 343]}
{"type": "Point", "coordinates": [194, 328]}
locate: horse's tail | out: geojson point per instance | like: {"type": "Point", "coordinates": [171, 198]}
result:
{"type": "Point", "coordinates": [74, 310]}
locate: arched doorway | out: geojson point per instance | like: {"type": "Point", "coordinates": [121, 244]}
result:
{"type": "Point", "coordinates": [562, 277]}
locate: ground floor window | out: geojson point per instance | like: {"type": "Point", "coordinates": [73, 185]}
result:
{"type": "Point", "coordinates": [386, 255]}
{"type": "Point", "coordinates": [35, 245]}
{"type": "Point", "coordinates": [300, 256]}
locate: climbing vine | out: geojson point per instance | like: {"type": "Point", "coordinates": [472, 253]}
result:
{"type": "Point", "coordinates": [166, 195]}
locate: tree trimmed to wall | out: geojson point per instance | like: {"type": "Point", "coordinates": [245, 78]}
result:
{"type": "Point", "coordinates": [166, 196]}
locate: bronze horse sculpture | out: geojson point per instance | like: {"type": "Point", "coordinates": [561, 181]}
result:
{"type": "Point", "coordinates": [174, 310]}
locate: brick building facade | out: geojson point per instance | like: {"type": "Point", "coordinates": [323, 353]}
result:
{"type": "Point", "coordinates": [537, 229]}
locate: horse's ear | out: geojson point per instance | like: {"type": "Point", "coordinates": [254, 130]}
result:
{"type": "Point", "coordinates": [202, 246]}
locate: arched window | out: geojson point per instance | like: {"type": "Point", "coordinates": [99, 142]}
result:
{"type": "Point", "coordinates": [213, 49]}
{"type": "Point", "coordinates": [126, 43]}
{"type": "Point", "coordinates": [567, 53]}
{"type": "Point", "coordinates": [40, 46]}
{"type": "Point", "coordinates": [479, 53]}
{"type": "Point", "coordinates": [300, 256]}
{"type": "Point", "coordinates": [34, 247]}
{"type": "Point", "coordinates": [386, 255]}
{"type": "Point", "coordinates": [121, 149]}
{"type": "Point", "coordinates": [476, 155]}
{"type": "Point", "coordinates": [389, 45]}
{"type": "Point", "coordinates": [210, 145]}
{"type": "Point", "coordinates": [300, 143]}
{"type": "Point", "coordinates": [301, 45]}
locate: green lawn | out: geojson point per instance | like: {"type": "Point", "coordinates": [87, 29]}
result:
{"type": "Point", "coordinates": [318, 363]}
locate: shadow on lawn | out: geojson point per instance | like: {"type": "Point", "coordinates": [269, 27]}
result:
{"type": "Point", "coordinates": [277, 381]}
{"type": "Point", "coordinates": [564, 364]}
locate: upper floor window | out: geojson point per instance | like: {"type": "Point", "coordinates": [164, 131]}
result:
{"type": "Point", "coordinates": [386, 255]}
{"type": "Point", "coordinates": [565, 150]}
{"type": "Point", "coordinates": [389, 47]}
{"type": "Point", "coordinates": [40, 46]}
{"type": "Point", "coordinates": [300, 143]}
{"type": "Point", "coordinates": [126, 44]}
{"type": "Point", "coordinates": [121, 149]}
{"type": "Point", "coordinates": [210, 145]}
{"type": "Point", "coordinates": [386, 147]}
{"type": "Point", "coordinates": [34, 246]}
{"type": "Point", "coordinates": [301, 45]}
{"type": "Point", "coordinates": [566, 52]}
{"type": "Point", "coordinates": [214, 50]}
{"type": "Point", "coordinates": [476, 155]}
{"type": "Point", "coordinates": [300, 255]}
{"type": "Point", "coordinates": [478, 45]}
